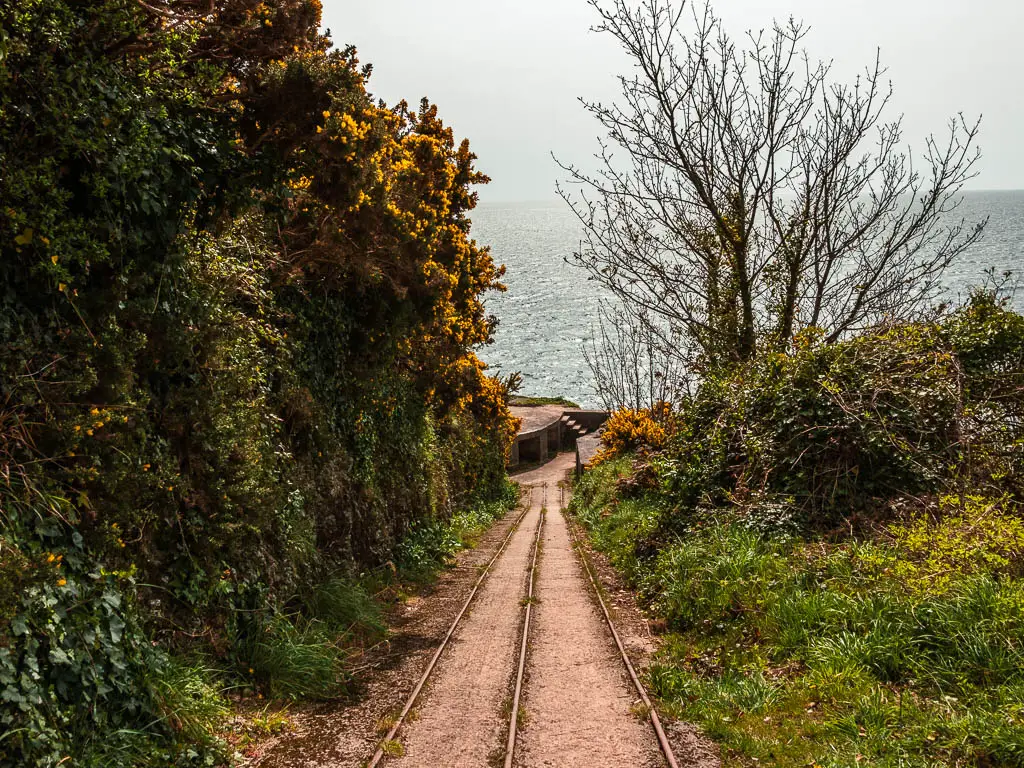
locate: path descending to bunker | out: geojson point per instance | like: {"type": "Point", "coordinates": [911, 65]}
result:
{"type": "Point", "coordinates": [579, 701]}
{"type": "Point", "coordinates": [442, 691]}
{"type": "Point", "coordinates": [459, 720]}
{"type": "Point", "coordinates": [577, 704]}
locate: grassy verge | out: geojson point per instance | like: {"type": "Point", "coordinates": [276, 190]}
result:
{"type": "Point", "coordinates": [902, 648]}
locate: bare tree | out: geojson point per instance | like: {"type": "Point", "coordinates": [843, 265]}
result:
{"type": "Point", "coordinates": [742, 196]}
{"type": "Point", "coordinates": [635, 359]}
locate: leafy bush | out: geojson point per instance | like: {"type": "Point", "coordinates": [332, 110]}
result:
{"type": "Point", "coordinates": [834, 540]}
{"type": "Point", "coordinates": [978, 537]}
{"type": "Point", "coordinates": [826, 436]}
{"type": "Point", "coordinates": [240, 303]}
{"type": "Point", "coordinates": [431, 544]}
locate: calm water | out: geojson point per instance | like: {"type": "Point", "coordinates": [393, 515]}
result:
{"type": "Point", "coordinates": [547, 313]}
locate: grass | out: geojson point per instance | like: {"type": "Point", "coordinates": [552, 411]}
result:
{"type": "Point", "coordinates": [190, 697]}
{"type": "Point", "coordinates": [906, 649]}
{"type": "Point", "coordinates": [526, 401]}
{"type": "Point", "coordinates": [429, 547]}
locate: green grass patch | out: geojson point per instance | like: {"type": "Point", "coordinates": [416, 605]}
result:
{"type": "Point", "coordinates": [430, 546]}
{"type": "Point", "coordinates": [525, 401]}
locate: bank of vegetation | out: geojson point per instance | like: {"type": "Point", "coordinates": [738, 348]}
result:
{"type": "Point", "coordinates": [238, 306]}
{"type": "Point", "coordinates": [833, 540]}
{"type": "Point", "coordinates": [813, 476]}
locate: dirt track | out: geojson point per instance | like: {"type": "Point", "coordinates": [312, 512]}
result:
{"type": "Point", "coordinates": [578, 707]}
{"type": "Point", "coordinates": [577, 699]}
{"type": "Point", "coordinates": [460, 720]}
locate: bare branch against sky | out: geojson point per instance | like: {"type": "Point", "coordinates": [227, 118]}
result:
{"type": "Point", "coordinates": [508, 73]}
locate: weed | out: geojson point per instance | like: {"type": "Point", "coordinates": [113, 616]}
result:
{"type": "Point", "coordinates": [640, 711]}
{"type": "Point", "coordinates": [386, 723]}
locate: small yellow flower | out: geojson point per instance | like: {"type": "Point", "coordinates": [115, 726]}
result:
{"type": "Point", "coordinates": [77, 428]}
{"type": "Point", "coordinates": [55, 258]}
{"type": "Point", "coordinates": [51, 557]}
{"type": "Point", "coordinates": [250, 670]}
{"type": "Point", "coordinates": [145, 467]}
{"type": "Point", "coordinates": [327, 114]}
{"type": "Point", "coordinates": [61, 582]}
{"type": "Point", "coordinates": [170, 487]}
{"type": "Point", "coordinates": [319, 129]}
{"type": "Point", "coordinates": [61, 287]}
{"type": "Point", "coordinates": [88, 432]}
{"type": "Point", "coordinates": [95, 412]}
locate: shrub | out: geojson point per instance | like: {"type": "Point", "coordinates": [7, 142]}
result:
{"type": "Point", "coordinates": [240, 303]}
{"type": "Point", "coordinates": [974, 536]}
{"type": "Point", "coordinates": [629, 431]}
{"type": "Point", "coordinates": [828, 436]}
{"type": "Point", "coordinates": [834, 541]}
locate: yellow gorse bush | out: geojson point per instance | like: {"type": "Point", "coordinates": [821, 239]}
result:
{"type": "Point", "coordinates": [629, 430]}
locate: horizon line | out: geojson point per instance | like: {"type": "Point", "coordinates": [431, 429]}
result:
{"type": "Point", "coordinates": [548, 200]}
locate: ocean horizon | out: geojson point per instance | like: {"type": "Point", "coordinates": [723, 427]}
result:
{"type": "Point", "coordinates": [548, 312]}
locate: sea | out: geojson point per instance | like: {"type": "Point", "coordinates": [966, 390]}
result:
{"type": "Point", "coordinates": [548, 312]}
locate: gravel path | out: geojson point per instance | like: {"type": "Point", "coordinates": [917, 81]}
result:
{"type": "Point", "coordinates": [578, 707]}
{"type": "Point", "coordinates": [579, 700]}
{"type": "Point", "coordinates": [459, 721]}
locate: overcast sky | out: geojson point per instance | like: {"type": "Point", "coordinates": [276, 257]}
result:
{"type": "Point", "coordinates": [507, 73]}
